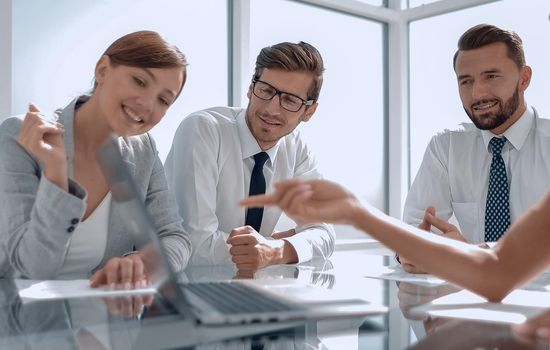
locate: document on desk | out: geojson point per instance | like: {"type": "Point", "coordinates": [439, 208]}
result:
{"type": "Point", "coordinates": [65, 289]}
{"type": "Point", "coordinates": [396, 273]}
{"type": "Point", "coordinates": [515, 308]}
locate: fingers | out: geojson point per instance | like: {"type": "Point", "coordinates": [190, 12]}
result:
{"type": "Point", "coordinates": [112, 272]}
{"type": "Point", "coordinates": [38, 135]}
{"type": "Point", "coordinates": [260, 200]}
{"type": "Point", "coordinates": [97, 279]}
{"type": "Point", "coordinates": [139, 278]}
{"type": "Point", "coordinates": [33, 108]}
{"type": "Point", "coordinates": [274, 198]}
{"type": "Point", "coordinates": [243, 230]}
{"type": "Point", "coordinates": [440, 224]}
{"type": "Point", "coordinates": [425, 225]}
{"type": "Point", "coordinates": [243, 259]}
{"type": "Point", "coordinates": [238, 250]}
{"type": "Point", "coordinates": [241, 235]}
{"type": "Point", "coordinates": [243, 240]}
{"type": "Point", "coordinates": [121, 273]}
{"type": "Point", "coordinates": [288, 198]}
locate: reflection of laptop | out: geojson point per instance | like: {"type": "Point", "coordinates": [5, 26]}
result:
{"type": "Point", "coordinates": [224, 302]}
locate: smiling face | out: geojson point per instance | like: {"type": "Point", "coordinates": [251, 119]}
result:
{"type": "Point", "coordinates": [133, 100]}
{"type": "Point", "coordinates": [491, 86]}
{"type": "Point", "coordinates": [266, 119]}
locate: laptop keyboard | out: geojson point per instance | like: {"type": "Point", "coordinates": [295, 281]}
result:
{"type": "Point", "coordinates": [235, 298]}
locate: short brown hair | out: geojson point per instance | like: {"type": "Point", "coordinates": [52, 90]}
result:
{"type": "Point", "coordinates": [485, 34]}
{"type": "Point", "coordinates": [293, 57]}
{"type": "Point", "coordinates": [146, 49]}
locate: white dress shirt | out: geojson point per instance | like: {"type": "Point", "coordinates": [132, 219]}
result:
{"type": "Point", "coordinates": [209, 168]}
{"type": "Point", "coordinates": [454, 175]}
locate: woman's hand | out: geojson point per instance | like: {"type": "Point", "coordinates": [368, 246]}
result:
{"type": "Point", "coordinates": [310, 201]}
{"type": "Point", "coordinates": [121, 273]}
{"type": "Point", "coordinates": [44, 140]}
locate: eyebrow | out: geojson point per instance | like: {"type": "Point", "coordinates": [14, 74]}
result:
{"type": "Point", "coordinates": [150, 74]}
{"type": "Point", "coordinates": [285, 92]}
{"type": "Point", "coordinates": [488, 71]}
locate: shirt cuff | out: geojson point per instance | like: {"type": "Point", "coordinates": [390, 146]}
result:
{"type": "Point", "coordinates": [303, 248]}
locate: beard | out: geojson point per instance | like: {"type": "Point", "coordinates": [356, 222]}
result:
{"type": "Point", "coordinates": [492, 120]}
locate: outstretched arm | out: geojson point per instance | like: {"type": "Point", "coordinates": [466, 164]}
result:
{"type": "Point", "coordinates": [518, 257]}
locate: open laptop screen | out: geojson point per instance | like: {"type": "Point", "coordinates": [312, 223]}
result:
{"type": "Point", "coordinates": [139, 224]}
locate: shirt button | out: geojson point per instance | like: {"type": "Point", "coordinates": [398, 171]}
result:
{"type": "Point", "coordinates": [75, 221]}
{"type": "Point", "coordinates": [70, 229]}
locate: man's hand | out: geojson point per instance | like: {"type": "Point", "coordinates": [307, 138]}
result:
{"type": "Point", "coordinates": [251, 251]}
{"type": "Point", "coordinates": [426, 226]}
{"type": "Point", "coordinates": [447, 230]}
{"type": "Point", "coordinates": [121, 273]}
{"type": "Point", "coordinates": [536, 329]}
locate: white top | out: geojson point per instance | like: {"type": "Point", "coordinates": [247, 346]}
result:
{"type": "Point", "coordinates": [454, 175]}
{"type": "Point", "coordinates": [209, 168]}
{"type": "Point", "coordinates": [87, 244]}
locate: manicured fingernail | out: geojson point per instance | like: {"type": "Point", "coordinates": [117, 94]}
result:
{"type": "Point", "coordinates": [127, 285]}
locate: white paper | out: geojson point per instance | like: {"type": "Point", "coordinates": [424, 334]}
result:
{"type": "Point", "coordinates": [60, 289]}
{"type": "Point", "coordinates": [515, 308]}
{"type": "Point", "coordinates": [398, 274]}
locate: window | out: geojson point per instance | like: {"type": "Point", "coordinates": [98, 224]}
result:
{"type": "Point", "coordinates": [434, 101]}
{"type": "Point", "coordinates": [346, 134]}
{"type": "Point", "coordinates": [57, 44]}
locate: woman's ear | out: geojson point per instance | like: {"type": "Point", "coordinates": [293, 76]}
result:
{"type": "Point", "coordinates": [101, 68]}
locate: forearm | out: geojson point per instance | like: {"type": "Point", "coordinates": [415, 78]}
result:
{"type": "Point", "coordinates": [37, 230]}
{"type": "Point", "coordinates": [57, 174]}
{"type": "Point", "coordinates": [466, 265]}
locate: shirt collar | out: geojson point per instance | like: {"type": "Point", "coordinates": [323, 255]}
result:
{"type": "Point", "coordinates": [516, 133]}
{"type": "Point", "coordinates": [249, 145]}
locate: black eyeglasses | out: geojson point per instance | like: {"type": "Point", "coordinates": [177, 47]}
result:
{"type": "Point", "coordinates": [290, 102]}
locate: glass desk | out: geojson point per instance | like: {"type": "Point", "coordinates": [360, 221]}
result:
{"type": "Point", "coordinates": [101, 324]}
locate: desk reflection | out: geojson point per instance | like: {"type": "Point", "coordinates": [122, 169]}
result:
{"type": "Point", "coordinates": [61, 324]}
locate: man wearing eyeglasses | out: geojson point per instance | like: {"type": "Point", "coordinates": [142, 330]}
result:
{"type": "Point", "coordinates": [223, 154]}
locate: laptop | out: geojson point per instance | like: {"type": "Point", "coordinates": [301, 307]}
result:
{"type": "Point", "coordinates": [218, 302]}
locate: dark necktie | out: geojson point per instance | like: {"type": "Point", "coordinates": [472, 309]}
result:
{"type": "Point", "coordinates": [497, 211]}
{"type": "Point", "coordinates": [257, 186]}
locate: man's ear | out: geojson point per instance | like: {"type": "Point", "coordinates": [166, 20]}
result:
{"type": "Point", "coordinates": [249, 92]}
{"type": "Point", "coordinates": [101, 68]}
{"type": "Point", "coordinates": [525, 77]}
{"type": "Point", "coordinates": [309, 111]}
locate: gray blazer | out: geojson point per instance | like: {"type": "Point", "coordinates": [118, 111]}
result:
{"type": "Point", "coordinates": [37, 217]}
